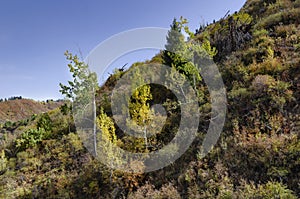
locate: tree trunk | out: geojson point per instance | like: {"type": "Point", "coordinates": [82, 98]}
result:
{"type": "Point", "coordinates": [94, 123]}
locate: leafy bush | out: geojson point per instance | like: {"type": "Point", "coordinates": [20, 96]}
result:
{"type": "Point", "coordinates": [270, 66]}
{"type": "Point", "coordinates": [249, 56]}
{"type": "Point", "coordinates": [8, 124]}
{"type": "Point", "coordinates": [45, 122]}
{"type": "Point", "coordinates": [3, 161]}
{"type": "Point", "coordinates": [148, 191]}
{"type": "Point", "coordinates": [31, 138]}
{"type": "Point", "coordinates": [288, 17]}
{"type": "Point", "coordinates": [271, 92]}
{"type": "Point", "coordinates": [242, 18]}
{"type": "Point", "coordinates": [260, 33]}
{"type": "Point", "coordinates": [262, 83]}
{"type": "Point", "coordinates": [256, 7]}
{"type": "Point", "coordinates": [268, 191]}
{"type": "Point", "coordinates": [284, 31]}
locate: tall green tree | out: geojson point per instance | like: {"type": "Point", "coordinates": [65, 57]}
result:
{"type": "Point", "coordinates": [139, 108]}
{"type": "Point", "coordinates": [81, 91]}
{"type": "Point", "coordinates": [179, 54]}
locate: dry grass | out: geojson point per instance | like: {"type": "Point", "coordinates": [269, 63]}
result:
{"type": "Point", "coordinates": [15, 110]}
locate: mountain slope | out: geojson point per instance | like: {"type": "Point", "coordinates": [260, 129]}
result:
{"type": "Point", "coordinates": [257, 155]}
{"type": "Point", "coordinates": [18, 109]}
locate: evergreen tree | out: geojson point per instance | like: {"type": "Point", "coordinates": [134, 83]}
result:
{"type": "Point", "coordinates": [180, 54]}
{"type": "Point", "coordinates": [175, 39]}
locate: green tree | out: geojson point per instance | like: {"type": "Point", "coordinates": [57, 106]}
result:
{"type": "Point", "coordinates": [180, 54]}
{"type": "Point", "coordinates": [175, 38]}
{"type": "Point", "coordinates": [139, 108]}
{"type": "Point", "coordinates": [81, 91]}
{"type": "Point", "coordinates": [206, 46]}
{"type": "Point", "coordinates": [108, 141]}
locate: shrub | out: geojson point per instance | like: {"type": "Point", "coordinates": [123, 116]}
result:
{"type": "Point", "coordinates": [249, 56]}
{"type": "Point", "coordinates": [31, 138]}
{"type": "Point", "coordinates": [45, 122]}
{"type": "Point", "coordinates": [260, 33]}
{"type": "Point", "coordinates": [269, 21]}
{"type": "Point", "coordinates": [267, 191]}
{"type": "Point", "coordinates": [3, 161]}
{"type": "Point", "coordinates": [74, 141]}
{"type": "Point", "coordinates": [8, 124]}
{"type": "Point", "coordinates": [269, 92]}
{"type": "Point", "coordinates": [262, 83]}
{"type": "Point", "coordinates": [148, 191]}
{"type": "Point", "coordinates": [284, 31]}
{"type": "Point", "coordinates": [288, 17]}
{"type": "Point", "coordinates": [297, 4]}
{"type": "Point", "coordinates": [270, 66]}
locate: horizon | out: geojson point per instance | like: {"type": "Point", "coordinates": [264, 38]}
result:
{"type": "Point", "coordinates": [12, 98]}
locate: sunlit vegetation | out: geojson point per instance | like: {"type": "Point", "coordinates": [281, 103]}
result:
{"type": "Point", "coordinates": [257, 156]}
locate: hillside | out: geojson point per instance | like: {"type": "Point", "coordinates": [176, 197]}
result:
{"type": "Point", "coordinates": [257, 155]}
{"type": "Point", "coordinates": [19, 109]}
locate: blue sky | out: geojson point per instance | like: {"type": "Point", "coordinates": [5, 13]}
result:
{"type": "Point", "coordinates": [35, 34]}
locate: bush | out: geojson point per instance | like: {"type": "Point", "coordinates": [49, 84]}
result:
{"type": "Point", "coordinates": [288, 17]}
{"type": "Point", "coordinates": [8, 124]}
{"type": "Point", "coordinates": [263, 83]}
{"type": "Point", "coordinates": [148, 191]}
{"type": "Point", "coordinates": [297, 4]}
{"type": "Point", "coordinates": [270, 66]}
{"type": "Point", "coordinates": [268, 191]}
{"type": "Point", "coordinates": [249, 56]}
{"type": "Point", "coordinates": [31, 138]}
{"type": "Point", "coordinates": [271, 92]}
{"type": "Point", "coordinates": [260, 33]}
{"type": "Point", "coordinates": [3, 161]}
{"type": "Point", "coordinates": [45, 122]}
{"type": "Point", "coordinates": [284, 31]}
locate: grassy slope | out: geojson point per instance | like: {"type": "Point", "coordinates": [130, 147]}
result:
{"type": "Point", "coordinates": [15, 110]}
{"type": "Point", "coordinates": [258, 155]}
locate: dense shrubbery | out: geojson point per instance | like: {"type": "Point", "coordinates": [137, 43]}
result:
{"type": "Point", "coordinates": [257, 155]}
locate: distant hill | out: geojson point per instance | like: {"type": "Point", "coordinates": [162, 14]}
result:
{"type": "Point", "coordinates": [18, 109]}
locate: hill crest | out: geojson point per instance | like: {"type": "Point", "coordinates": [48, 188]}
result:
{"type": "Point", "coordinates": [18, 109]}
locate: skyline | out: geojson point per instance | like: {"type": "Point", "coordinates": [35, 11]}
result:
{"type": "Point", "coordinates": [34, 35]}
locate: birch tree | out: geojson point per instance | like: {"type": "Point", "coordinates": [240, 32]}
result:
{"type": "Point", "coordinates": [81, 91]}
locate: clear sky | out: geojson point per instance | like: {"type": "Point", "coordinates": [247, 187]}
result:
{"type": "Point", "coordinates": [34, 34]}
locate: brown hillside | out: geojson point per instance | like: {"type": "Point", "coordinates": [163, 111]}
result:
{"type": "Point", "coordinates": [14, 110]}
